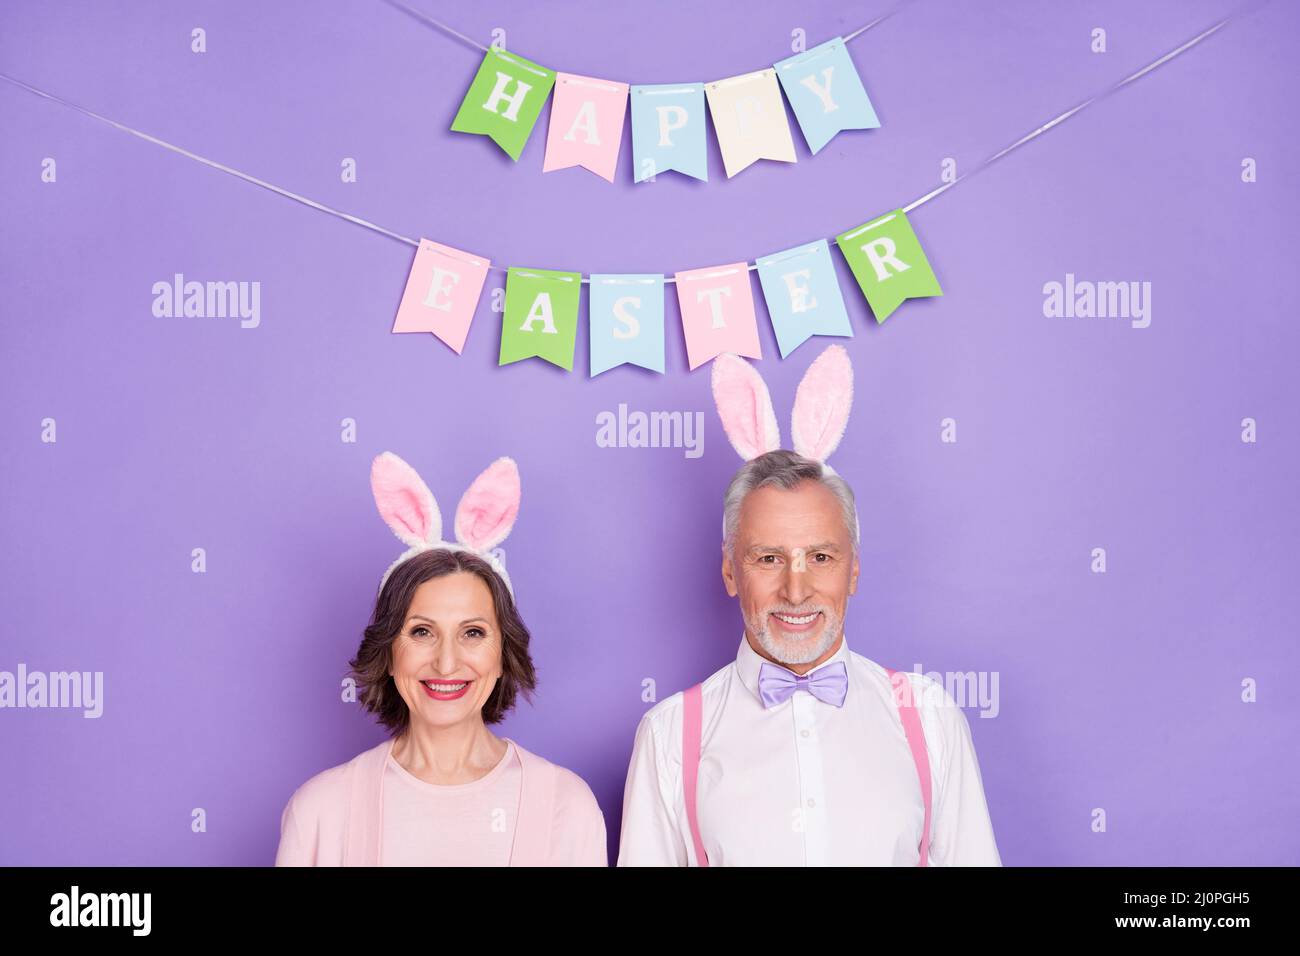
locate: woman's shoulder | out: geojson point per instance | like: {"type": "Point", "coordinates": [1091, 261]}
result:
{"type": "Point", "coordinates": [570, 789]}
{"type": "Point", "coordinates": [331, 788]}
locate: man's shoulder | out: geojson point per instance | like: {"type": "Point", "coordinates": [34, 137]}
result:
{"type": "Point", "coordinates": [666, 715]}
{"type": "Point", "coordinates": [923, 691]}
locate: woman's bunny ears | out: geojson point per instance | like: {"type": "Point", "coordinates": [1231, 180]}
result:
{"type": "Point", "coordinates": [484, 517]}
{"type": "Point", "coordinates": [821, 406]}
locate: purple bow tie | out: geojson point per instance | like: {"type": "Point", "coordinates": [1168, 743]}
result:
{"type": "Point", "coordinates": [829, 683]}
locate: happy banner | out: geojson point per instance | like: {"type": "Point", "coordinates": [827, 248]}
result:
{"type": "Point", "coordinates": [668, 120]}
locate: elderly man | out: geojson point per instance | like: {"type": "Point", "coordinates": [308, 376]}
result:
{"type": "Point", "coordinates": [801, 752]}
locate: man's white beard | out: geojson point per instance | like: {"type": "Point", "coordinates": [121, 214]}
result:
{"type": "Point", "coordinates": [799, 650]}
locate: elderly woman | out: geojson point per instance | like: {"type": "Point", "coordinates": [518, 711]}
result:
{"type": "Point", "coordinates": [444, 656]}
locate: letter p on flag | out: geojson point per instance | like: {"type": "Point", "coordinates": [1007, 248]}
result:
{"type": "Point", "coordinates": [888, 262]}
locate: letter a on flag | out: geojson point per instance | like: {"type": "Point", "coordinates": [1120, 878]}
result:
{"type": "Point", "coordinates": [586, 124]}
{"type": "Point", "coordinates": [505, 100]}
{"type": "Point", "coordinates": [541, 316]}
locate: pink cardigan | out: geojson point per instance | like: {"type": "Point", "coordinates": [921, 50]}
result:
{"type": "Point", "coordinates": [336, 817]}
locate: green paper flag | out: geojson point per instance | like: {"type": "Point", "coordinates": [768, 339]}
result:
{"type": "Point", "coordinates": [887, 261]}
{"type": "Point", "coordinates": [541, 317]}
{"type": "Point", "coordinates": [505, 100]}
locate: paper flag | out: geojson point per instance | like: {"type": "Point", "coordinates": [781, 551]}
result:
{"type": "Point", "coordinates": [505, 100]}
{"type": "Point", "coordinates": [668, 131]}
{"type": "Point", "coordinates": [803, 295]}
{"type": "Point", "coordinates": [887, 261]}
{"type": "Point", "coordinates": [541, 317]}
{"type": "Point", "coordinates": [826, 93]}
{"type": "Point", "coordinates": [626, 315]}
{"type": "Point", "coordinates": [750, 121]}
{"type": "Point", "coordinates": [586, 124]}
{"type": "Point", "coordinates": [442, 292]}
{"type": "Point", "coordinates": [717, 308]}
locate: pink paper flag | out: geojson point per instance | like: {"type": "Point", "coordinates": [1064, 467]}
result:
{"type": "Point", "coordinates": [717, 306]}
{"type": "Point", "coordinates": [442, 293]}
{"type": "Point", "coordinates": [586, 124]}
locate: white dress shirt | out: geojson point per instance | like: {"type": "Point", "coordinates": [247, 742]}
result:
{"type": "Point", "coordinates": [806, 783]}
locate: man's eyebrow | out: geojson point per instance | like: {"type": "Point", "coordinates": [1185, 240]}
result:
{"type": "Point", "coordinates": [767, 548]}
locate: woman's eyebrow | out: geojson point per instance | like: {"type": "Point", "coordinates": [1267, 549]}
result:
{"type": "Point", "coordinates": [421, 617]}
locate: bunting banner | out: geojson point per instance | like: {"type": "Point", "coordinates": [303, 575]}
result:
{"type": "Point", "coordinates": [442, 292]}
{"type": "Point", "coordinates": [717, 306]}
{"type": "Point", "coordinates": [586, 124]}
{"type": "Point", "coordinates": [803, 295]}
{"type": "Point", "coordinates": [749, 120]}
{"type": "Point", "coordinates": [887, 260]}
{"type": "Point", "coordinates": [826, 93]}
{"type": "Point", "coordinates": [444, 285]}
{"type": "Point", "coordinates": [541, 316]}
{"type": "Point", "coordinates": [668, 131]}
{"type": "Point", "coordinates": [625, 314]}
{"type": "Point", "coordinates": [823, 86]}
{"type": "Point", "coordinates": [505, 100]}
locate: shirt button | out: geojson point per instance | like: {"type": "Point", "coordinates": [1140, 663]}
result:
{"type": "Point", "coordinates": [803, 733]}
{"type": "Point", "coordinates": [812, 802]}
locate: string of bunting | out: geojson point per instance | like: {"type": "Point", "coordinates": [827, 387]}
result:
{"type": "Point", "coordinates": [506, 97]}
{"type": "Point", "coordinates": [626, 311]}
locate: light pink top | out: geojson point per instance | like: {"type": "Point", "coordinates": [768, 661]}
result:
{"type": "Point", "coordinates": [464, 824]}
{"type": "Point", "coordinates": [336, 817]}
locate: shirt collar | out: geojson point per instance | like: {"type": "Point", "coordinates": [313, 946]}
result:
{"type": "Point", "coordinates": [748, 663]}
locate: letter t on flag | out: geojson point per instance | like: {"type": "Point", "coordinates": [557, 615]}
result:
{"type": "Point", "coordinates": [887, 261]}
{"type": "Point", "coordinates": [442, 292]}
{"type": "Point", "coordinates": [505, 100]}
{"type": "Point", "coordinates": [717, 306]}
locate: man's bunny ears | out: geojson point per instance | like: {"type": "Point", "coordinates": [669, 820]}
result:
{"type": "Point", "coordinates": [821, 406]}
{"type": "Point", "coordinates": [821, 409]}
{"type": "Point", "coordinates": [484, 517]}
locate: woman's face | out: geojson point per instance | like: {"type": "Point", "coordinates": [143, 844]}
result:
{"type": "Point", "coordinates": [447, 658]}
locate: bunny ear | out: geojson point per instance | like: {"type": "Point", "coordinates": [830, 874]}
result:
{"type": "Point", "coordinates": [487, 510]}
{"type": "Point", "coordinates": [745, 406]}
{"type": "Point", "coordinates": [821, 405]}
{"type": "Point", "coordinates": [404, 500]}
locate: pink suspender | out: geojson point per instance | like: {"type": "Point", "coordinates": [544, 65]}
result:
{"type": "Point", "coordinates": [915, 740]}
{"type": "Point", "coordinates": [692, 731]}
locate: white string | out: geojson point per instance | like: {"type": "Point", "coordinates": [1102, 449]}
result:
{"type": "Point", "coordinates": [472, 42]}
{"type": "Point", "coordinates": [668, 279]}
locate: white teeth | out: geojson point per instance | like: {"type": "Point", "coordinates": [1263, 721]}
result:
{"type": "Point", "coordinates": [806, 619]}
{"type": "Point", "coordinates": [445, 688]}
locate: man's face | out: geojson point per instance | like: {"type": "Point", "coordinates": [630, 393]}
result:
{"type": "Point", "coordinates": [793, 570]}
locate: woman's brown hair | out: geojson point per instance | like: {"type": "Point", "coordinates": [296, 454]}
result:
{"type": "Point", "coordinates": [376, 689]}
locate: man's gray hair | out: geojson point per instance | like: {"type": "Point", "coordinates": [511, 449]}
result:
{"type": "Point", "coordinates": [784, 469]}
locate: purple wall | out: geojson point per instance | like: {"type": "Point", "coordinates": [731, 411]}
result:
{"type": "Point", "coordinates": [1120, 691]}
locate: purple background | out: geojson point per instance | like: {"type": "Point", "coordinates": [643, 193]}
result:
{"type": "Point", "coordinates": [1119, 691]}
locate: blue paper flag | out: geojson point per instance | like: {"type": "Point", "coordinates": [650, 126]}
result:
{"type": "Point", "coordinates": [803, 295]}
{"type": "Point", "coordinates": [668, 130]}
{"type": "Point", "coordinates": [826, 93]}
{"type": "Point", "coordinates": [626, 317]}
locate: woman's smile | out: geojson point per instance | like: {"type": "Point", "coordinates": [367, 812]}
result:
{"type": "Point", "coordinates": [446, 690]}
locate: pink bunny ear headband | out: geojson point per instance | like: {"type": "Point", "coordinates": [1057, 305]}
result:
{"type": "Point", "coordinates": [484, 517]}
{"type": "Point", "coordinates": [821, 407]}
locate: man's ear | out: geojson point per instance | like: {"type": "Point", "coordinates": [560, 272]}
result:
{"type": "Point", "coordinates": [853, 579]}
{"type": "Point", "coordinates": [728, 578]}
